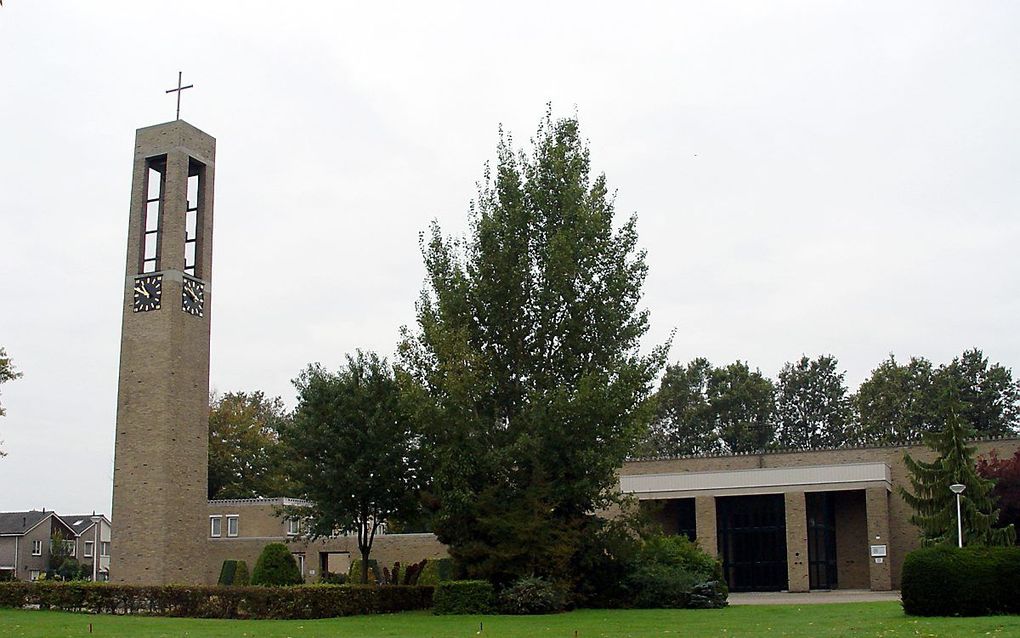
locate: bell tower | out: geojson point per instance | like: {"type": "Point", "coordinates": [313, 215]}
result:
{"type": "Point", "coordinates": [161, 457]}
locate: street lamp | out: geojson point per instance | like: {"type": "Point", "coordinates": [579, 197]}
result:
{"type": "Point", "coordinates": [95, 545]}
{"type": "Point", "coordinates": [957, 488]}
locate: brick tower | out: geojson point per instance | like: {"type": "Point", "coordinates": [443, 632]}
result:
{"type": "Point", "coordinates": [162, 449]}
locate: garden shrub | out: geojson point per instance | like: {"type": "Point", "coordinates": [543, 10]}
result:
{"type": "Point", "coordinates": [300, 602]}
{"type": "Point", "coordinates": [669, 570]}
{"type": "Point", "coordinates": [532, 595]}
{"type": "Point", "coordinates": [436, 570]}
{"type": "Point", "coordinates": [354, 573]}
{"type": "Point", "coordinates": [462, 597]}
{"type": "Point", "coordinates": [227, 572]}
{"type": "Point", "coordinates": [276, 566]}
{"type": "Point", "coordinates": [973, 581]}
{"type": "Point", "coordinates": [607, 554]}
{"type": "Point", "coordinates": [241, 578]}
{"type": "Point", "coordinates": [330, 578]}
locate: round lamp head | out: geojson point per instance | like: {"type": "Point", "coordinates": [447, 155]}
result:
{"type": "Point", "coordinates": [957, 488]}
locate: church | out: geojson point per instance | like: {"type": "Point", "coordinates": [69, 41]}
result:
{"type": "Point", "coordinates": [783, 521]}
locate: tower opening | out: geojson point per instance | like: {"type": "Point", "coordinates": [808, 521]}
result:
{"type": "Point", "coordinates": [155, 187]}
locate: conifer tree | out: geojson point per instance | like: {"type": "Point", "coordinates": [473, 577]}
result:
{"type": "Point", "coordinates": [934, 504]}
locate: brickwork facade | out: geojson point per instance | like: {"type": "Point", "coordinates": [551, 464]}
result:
{"type": "Point", "coordinates": [161, 450]}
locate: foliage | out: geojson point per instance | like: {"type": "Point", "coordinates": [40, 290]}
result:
{"type": "Point", "coordinates": [896, 403]}
{"type": "Point", "coordinates": [436, 570]}
{"type": "Point", "coordinates": [684, 421]}
{"type": "Point", "coordinates": [60, 550]}
{"type": "Point", "coordinates": [305, 601]}
{"type": "Point", "coordinates": [245, 456]}
{"type": "Point", "coordinates": [973, 581]}
{"type": "Point", "coordinates": [7, 373]}
{"type": "Point", "coordinates": [743, 403]}
{"type": "Point", "coordinates": [276, 566]}
{"type": "Point", "coordinates": [364, 571]}
{"type": "Point", "coordinates": [462, 597]}
{"type": "Point", "coordinates": [607, 555]}
{"type": "Point", "coordinates": [71, 569]}
{"type": "Point", "coordinates": [1006, 474]}
{"type": "Point", "coordinates": [352, 450]}
{"type": "Point", "coordinates": [813, 409]}
{"type": "Point", "coordinates": [234, 573]}
{"type": "Point", "coordinates": [667, 571]}
{"type": "Point", "coordinates": [524, 370]}
{"type": "Point", "coordinates": [532, 595]}
{"type": "Point", "coordinates": [989, 396]}
{"type": "Point", "coordinates": [934, 504]}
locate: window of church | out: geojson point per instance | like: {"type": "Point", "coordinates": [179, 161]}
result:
{"type": "Point", "coordinates": [215, 526]}
{"type": "Point", "coordinates": [231, 526]}
{"type": "Point", "coordinates": [154, 185]}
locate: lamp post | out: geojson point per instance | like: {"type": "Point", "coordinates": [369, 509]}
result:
{"type": "Point", "coordinates": [95, 546]}
{"type": "Point", "coordinates": [957, 488]}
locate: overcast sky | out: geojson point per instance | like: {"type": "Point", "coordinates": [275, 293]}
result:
{"type": "Point", "coordinates": [809, 177]}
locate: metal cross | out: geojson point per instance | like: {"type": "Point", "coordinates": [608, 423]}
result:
{"type": "Point", "coordinates": [178, 91]}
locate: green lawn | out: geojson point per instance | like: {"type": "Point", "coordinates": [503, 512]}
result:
{"type": "Point", "coordinates": [885, 620]}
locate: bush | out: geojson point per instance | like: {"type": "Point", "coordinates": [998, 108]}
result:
{"type": "Point", "coordinates": [462, 597]}
{"type": "Point", "coordinates": [607, 554]}
{"type": "Point", "coordinates": [233, 572]}
{"type": "Point", "coordinates": [668, 571]}
{"type": "Point", "coordinates": [436, 570]}
{"type": "Point", "coordinates": [329, 578]}
{"type": "Point", "coordinates": [301, 602]}
{"type": "Point", "coordinates": [276, 566]}
{"type": "Point", "coordinates": [354, 573]}
{"type": "Point", "coordinates": [973, 581]}
{"type": "Point", "coordinates": [532, 595]}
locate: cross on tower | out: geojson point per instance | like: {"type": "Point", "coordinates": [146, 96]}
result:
{"type": "Point", "coordinates": [178, 91]}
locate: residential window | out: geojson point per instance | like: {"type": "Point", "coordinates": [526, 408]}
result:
{"type": "Point", "coordinates": [87, 550]}
{"type": "Point", "coordinates": [104, 549]}
{"type": "Point", "coordinates": [36, 549]}
{"type": "Point", "coordinates": [215, 526]}
{"type": "Point", "coordinates": [293, 527]}
{"type": "Point", "coordinates": [70, 548]}
{"type": "Point", "coordinates": [300, 560]}
{"type": "Point", "coordinates": [231, 526]}
{"type": "Point", "coordinates": [33, 575]}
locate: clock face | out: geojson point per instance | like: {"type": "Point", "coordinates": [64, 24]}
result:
{"type": "Point", "coordinates": [193, 297]}
{"type": "Point", "coordinates": [148, 291]}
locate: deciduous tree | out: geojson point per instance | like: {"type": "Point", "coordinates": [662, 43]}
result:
{"type": "Point", "coordinates": [897, 403]}
{"type": "Point", "coordinates": [245, 459]}
{"type": "Point", "coordinates": [532, 388]}
{"type": "Point", "coordinates": [352, 451]}
{"type": "Point", "coordinates": [989, 396]}
{"type": "Point", "coordinates": [684, 422]}
{"type": "Point", "coordinates": [813, 408]}
{"type": "Point", "coordinates": [7, 373]}
{"type": "Point", "coordinates": [743, 402]}
{"type": "Point", "coordinates": [1006, 493]}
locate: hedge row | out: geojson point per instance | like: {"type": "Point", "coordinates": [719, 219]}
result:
{"type": "Point", "coordinates": [973, 581]}
{"type": "Point", "coordinates": [463, 597]}
{"type": "Point", "coordinates": [304, 601]}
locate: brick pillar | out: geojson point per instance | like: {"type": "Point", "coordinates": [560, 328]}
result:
{"type": "Point", "coordinates": [877, 504]}
{"type": "Point", "coordinates": [704, 520]}
{"type": "Point", "coordinates": [797, 542]}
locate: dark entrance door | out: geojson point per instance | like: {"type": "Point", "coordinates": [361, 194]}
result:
{"type": "Point", "coordinates": [821, 515]}
{"type": "Point", "coordinates": [752, 541]}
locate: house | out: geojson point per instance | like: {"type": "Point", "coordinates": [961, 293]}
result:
{"type": "Point", "coordinates": [91, 542]}
{"type": "Point", "coordinates": [25, 543]}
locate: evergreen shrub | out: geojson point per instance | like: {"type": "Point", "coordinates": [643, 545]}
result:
{"type": "Point", "coordinates": [276, 566]}
{"type": "Point", "coordinates": [462, 597]}
{"type": "Point", "coordinates": [974, 581]}
{"type": "Point", "coordinates": [354, 573]}
{"type": "Point", "coordinates": [669, 570]}
{"type": "Point", "coordinates": [300, 602]}
{"type": "Point", "coordinates": [436, 570]}
{"type": "Point", "coordinates": [532, 595]}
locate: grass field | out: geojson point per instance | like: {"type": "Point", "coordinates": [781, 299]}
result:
{"type": "Point", "coordinates": [885, 620]}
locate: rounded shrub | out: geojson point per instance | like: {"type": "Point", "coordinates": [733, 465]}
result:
{"type": "Point", "coordinates": [670, 570]}
{"type": "Point", "coordinates": [532, 595]}
{"type": "Point", "coordinates": [276, 566]}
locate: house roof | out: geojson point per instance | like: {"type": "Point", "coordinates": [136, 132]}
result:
{"type": "Point", "coordinates": [18, 523]}
{"type": "Point", "coordinates": [79, 522]}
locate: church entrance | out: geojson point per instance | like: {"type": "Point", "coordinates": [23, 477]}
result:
{"type": "Point", "coordinates": [752, 541]}
{"type": "Point", "coordinates": [821, 515]}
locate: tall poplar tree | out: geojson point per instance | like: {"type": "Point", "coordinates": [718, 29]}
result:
{"type": "Point", "coordinates": [530, 384]}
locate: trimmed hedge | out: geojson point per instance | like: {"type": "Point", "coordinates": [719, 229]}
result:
{"type": "Point", "coordinates": [276, 566]}
{"type": "Point", "coordinates": [973, 581]}
{"type": "Point", "coordinates": [233, 572]}
{"type": "Point", "coordinates": [462, 597]}
{"type": "Point", "coordinates": [300, 602]}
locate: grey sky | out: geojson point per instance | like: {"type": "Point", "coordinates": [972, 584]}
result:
{"type": "Point", "coordinates": [809, 177]}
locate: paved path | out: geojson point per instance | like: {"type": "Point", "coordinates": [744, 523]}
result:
{"type": "Point", "coordinates": [814, 598]}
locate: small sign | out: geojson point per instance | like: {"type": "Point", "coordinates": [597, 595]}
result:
{"type": "Point", "coordinates": [879, 551]}
{"type": "Point", "coordinates": [879, 560]}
